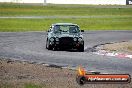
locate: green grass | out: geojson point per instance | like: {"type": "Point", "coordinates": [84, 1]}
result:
{"type": "Point", "coordinates": [50, 10]}
{"type": "Point", "coordinates": [32, 86]}
{"type": "Point", "coordinates": [13, 25]}
{"type": "Point", "coordinates": [25, 85]}
{"type": "Point", "coordinates": [97, 17]}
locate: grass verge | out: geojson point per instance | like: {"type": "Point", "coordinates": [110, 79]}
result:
{"type": "Point", "coordinates": [96, 17]}
{"type": "Point", "coordinates": [50, 10]}
{"type": "Point", "coordinates": [16, 25]}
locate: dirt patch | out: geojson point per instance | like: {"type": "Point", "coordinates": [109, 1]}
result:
{"type": "Point", "coordinates": [17, 74]}
{"type": "Point", "coordinates": [119, 47]}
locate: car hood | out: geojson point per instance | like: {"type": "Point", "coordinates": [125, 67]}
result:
{"type": "Point", "coordinates": [59, 35]}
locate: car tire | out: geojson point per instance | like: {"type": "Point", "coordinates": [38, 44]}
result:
{"type": "Point", "coordinates": [55, 49]}
{"type": "Point", "coordinates": [81, 48]}
{"type": "Point", "coordinates": [48, 46]}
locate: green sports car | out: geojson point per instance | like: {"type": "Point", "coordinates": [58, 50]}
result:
{"type": "Point", "coordinates": [65, 36]}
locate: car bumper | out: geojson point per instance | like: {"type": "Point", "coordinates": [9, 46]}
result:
{"type": "Point", "coordinates": [67, 45]}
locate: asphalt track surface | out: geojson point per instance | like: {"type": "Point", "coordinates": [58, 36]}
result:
{"type": "Point", "coordinates": [30, 46]}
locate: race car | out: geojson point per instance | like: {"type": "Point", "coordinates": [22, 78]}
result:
{"type": "Point", "coordinates": [65, 36]}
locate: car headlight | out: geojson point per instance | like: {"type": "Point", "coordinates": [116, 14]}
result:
{"type": "Point", "coordinates": [75, 39]}
{"type": "Point", "coordinates": [80, 39]}
{"type": "Point", "coordinates": [57, 39]}
{"type": "Point", "coordinates": [51, 39]}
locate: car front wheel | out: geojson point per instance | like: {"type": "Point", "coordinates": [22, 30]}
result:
{"type": "Point", "coordinates": [48, 46]}
{"type": "Point", "coordinates": [81, 48]}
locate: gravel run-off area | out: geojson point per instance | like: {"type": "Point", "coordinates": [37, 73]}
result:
{"type": "Point", "coordinates": [124, 47]}
{"type": "Point", "coordinates": [17, 74]}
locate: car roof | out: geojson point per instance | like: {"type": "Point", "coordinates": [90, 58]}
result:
{"type": "Point", "coordinates": [64, 24]}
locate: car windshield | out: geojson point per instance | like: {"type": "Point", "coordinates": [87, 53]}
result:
{"type": "Point", "coordinates": [66, 28]}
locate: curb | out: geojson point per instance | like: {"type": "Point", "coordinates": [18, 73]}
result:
{"type": "Point", "coordinates": [113, 53]}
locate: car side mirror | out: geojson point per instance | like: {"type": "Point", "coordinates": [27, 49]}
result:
{"type": "Point", "coordinates": [49, 30]}
{"type": "Point", "coordinates": [82, 30]}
